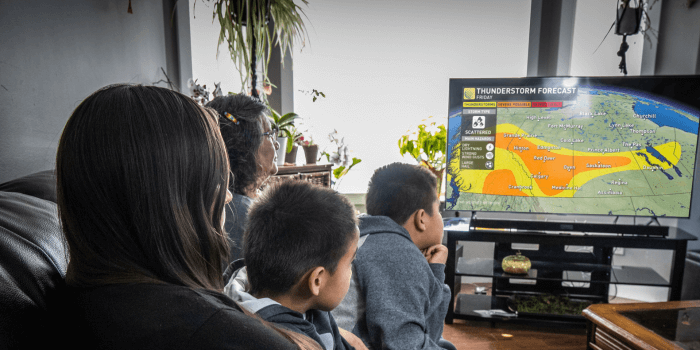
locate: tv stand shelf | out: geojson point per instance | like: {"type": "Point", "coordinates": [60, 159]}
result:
{"type": "Point", "coordinates": [582, 276]}
{"type": "Point", "coordinates": [552, 271]}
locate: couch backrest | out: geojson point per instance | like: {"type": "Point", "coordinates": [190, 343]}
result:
{"type": "Point", "coordinates": [33, 263]}
{"type": "Point", "coordinates": [40, 185]}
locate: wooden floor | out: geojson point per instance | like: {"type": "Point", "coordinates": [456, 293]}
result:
{"type": "Point", "coordinates": [469, 335]}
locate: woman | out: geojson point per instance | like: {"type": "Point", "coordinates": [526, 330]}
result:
{"type": "Point", "coordinates": [142, 174]}
{"type": "Point", "coordinates": [252, 151]}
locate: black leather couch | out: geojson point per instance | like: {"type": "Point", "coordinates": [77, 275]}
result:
{"type": "Point", "coordinates": [33, 262]}
{"type": "Point", "coordinates": [691, 276]}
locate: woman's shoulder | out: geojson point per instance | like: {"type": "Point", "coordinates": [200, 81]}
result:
{"type": "Point", "coordinates": [167, 316]}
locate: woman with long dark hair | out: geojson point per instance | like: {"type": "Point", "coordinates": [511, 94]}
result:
{"type": "Point", "coordinates": [142, 176]}
{"type": "Point", "coordinates": [252, 152]}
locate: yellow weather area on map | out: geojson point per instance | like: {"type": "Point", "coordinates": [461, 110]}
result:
{"type": "Point", "coordinates": [550, 171]}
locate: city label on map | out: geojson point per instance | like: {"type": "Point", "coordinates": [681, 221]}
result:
{"type": "Point", "coordinates": [544, 158]}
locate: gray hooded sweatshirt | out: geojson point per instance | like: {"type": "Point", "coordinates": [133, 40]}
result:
{"type": "Point", "coordinates": [397, 300]}
{"type": "Point", "coordinates": [315, 324]}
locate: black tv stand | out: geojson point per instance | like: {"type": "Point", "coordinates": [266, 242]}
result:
{"type": "Point", "coordinates": [587, 228]}
{"type": "Point", "coordinates": [552, 264]}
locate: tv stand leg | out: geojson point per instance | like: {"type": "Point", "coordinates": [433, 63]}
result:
{"type": "Point", "coordinates": [674, 293]}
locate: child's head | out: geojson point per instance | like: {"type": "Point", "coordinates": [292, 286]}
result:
{"type": "Point", "coordinates": [401, 190]}
{"type": "Point", "coordinates": [298, 235]}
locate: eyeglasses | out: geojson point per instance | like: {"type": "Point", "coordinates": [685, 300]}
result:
{"type": "Point", "coordinates": [272, 134]}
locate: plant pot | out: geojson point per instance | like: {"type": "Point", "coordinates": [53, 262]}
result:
{"type": "Point", "coordinates": [311, 153]}
{"type": "Point", "coordinates": [282, 151]}
{"type": "Point", "coordinates": [241, 18]}
{"type": "Point", "coordinates": [291, 157]}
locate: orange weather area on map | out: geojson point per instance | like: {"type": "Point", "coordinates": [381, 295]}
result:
{"type": "Point", "coordinates": [558, 175]}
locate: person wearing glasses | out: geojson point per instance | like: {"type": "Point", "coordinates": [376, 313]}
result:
{"type": "Point", "coordinates": [252, 152]}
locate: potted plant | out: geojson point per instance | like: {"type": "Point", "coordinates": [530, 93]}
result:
{"type": "Point", "coordinates": [283, 124]}
{"type": "Point", "coordinates": [254, 44]}
{"type": "Point", "coordinates": [293, 143]}
{"type": "Point", "coordinates": [310, 148]}
{"type": "Point", "coordinates": [339, 157]}
{"type": "Point", "coordinates": [427, 147]}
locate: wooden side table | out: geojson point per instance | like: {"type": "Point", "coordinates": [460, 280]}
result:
{"type": "Point", "coordinates": [318, 174]}
{"type": "Point", "coordinates": [673, 325]}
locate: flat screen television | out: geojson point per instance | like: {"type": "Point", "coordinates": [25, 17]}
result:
{"type": "Point", "coordinates": [621, 146]}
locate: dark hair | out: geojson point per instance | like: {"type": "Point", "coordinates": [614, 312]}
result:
{"type": "Point", "coordinates": [141, 183]}
{"type": "Point", "coordinates": [397, 190]}
{"type": "Point", "coordinates": [293, 227]}
{"type": "Point", "coordinates": [243, 139]}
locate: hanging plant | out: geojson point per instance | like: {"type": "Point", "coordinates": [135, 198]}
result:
{"type": "Point", "coordinates": [249, 38]}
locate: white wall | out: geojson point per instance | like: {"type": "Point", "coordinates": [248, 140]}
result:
{"type": "Point", "coordinates": [206, 67]}
{"type": "Point", "coordinates": [592, 22]}
{"type": "Point", "coordinates": [385, 65]}
{"type": "Point", "coordinates": [53, 55]}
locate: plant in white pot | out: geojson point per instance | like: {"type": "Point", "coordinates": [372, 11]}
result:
{"type": "Point", "coordinates": [283, 124]}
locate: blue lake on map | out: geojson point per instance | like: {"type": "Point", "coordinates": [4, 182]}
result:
{"type": "Point", "coordinates": [453, 137]}
{"type": "Point", "coordinates": [453, 132]}
{"type": "Point", "coordinates": [660, 157]}
{"type": "Point", "coordinates": [665, 116]}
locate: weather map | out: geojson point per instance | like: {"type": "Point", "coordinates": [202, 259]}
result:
{"type": "Point", "coordinates": [581, 149]}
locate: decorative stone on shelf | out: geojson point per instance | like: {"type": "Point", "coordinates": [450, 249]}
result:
{"type": "Point", "coordinates": [517, 264]}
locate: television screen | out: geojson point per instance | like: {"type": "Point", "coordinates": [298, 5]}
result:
{"type": "Point", "coordinates": [573, 145]}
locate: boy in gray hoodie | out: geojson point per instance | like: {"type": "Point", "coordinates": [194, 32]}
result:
{"type": "Point", "coordinates": [397, 298]}
{"type": "Point", "coordinates": [298, 246]}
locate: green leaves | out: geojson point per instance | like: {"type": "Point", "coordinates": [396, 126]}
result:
{"type": "Point", "coordinates": [233, 15]}
{"type": "Point", "coordinates": [317, 94]}
{"type": "Point", "coordinates": [342, 170]}
{"type": "Point", "coordinates": [338, 172]}
{"type": "Point", "coordinates": [285, 125]}
{"type": "Point", "coordinates": [292, 138]}
{"type": "Point", "coordinates": [427, 147]}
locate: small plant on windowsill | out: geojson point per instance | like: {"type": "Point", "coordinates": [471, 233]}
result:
{"type": "Point", "coordinates": [340, 157]}
{"type": "Point", "coordinates": [306, 141]}
{"type": "Point", "coordinates": [427, 146]}
{"type": "Point", "coordinates": [293, 144]}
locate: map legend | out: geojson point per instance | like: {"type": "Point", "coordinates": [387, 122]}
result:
{"type": "Point", "coordinates": [478, 138]}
